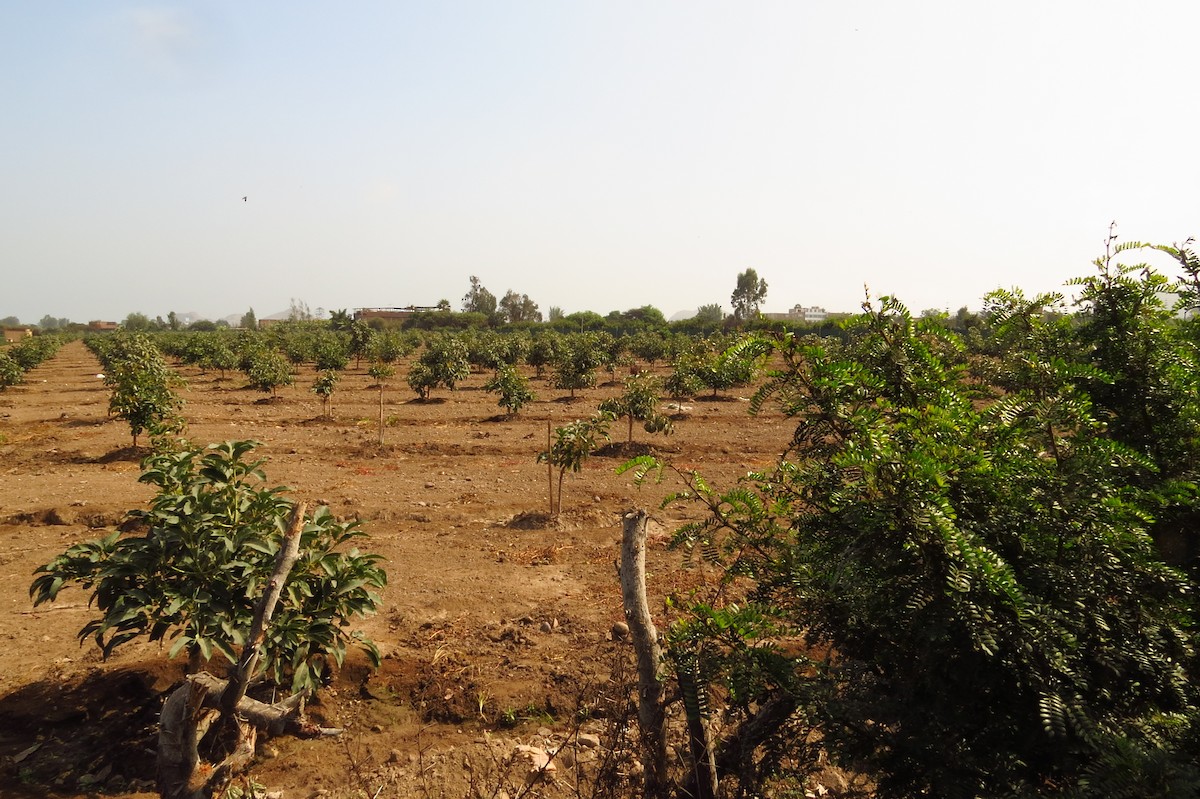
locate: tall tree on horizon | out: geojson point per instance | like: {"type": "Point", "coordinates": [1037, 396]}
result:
{"type": "Point", "coordinates": [748, 296]}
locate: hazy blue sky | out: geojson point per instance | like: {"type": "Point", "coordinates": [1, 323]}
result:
{"type": "Point", "coordinates": [595, 155]}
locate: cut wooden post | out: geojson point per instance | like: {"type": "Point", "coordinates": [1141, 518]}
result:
{"type": "Point", "coordinates": [651, 717]}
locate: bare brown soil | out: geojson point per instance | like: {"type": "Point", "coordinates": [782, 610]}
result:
{"type": "Point", "coordinates": [495, 625]}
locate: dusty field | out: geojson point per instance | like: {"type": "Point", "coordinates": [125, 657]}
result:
{"type": "Point", "coordinates": [494, 633]}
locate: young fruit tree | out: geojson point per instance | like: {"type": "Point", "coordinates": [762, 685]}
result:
{"type": "Point", "coordinates": [381, 371]}
{"type": "Point", "coordinates": [513, 388]}
{"type": "Point", "coordinates": [442, 363]}
{"type": "Point", "coordinates": [142, 385]}
{"type": "Point", "coordinates": [209, 546]}
{"type": "Point", "coordinates": [639, 403]}
{"type": "Point", "coordinates": [209, 539]}
{"type": "Point", "coordinates": [575, 361]}
{"type": "Point", "coordinates": [268, 369]}
{"type": "Point", "coordinates": [573, 444]}
{"type": "Point", "coordinates": [323, 387]}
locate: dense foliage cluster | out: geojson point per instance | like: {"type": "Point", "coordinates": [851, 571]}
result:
{"type": "Point", "coordinates": [143, 387]}
{"type": "Point", "coordinates": [20, 357]}
{"type": "Point", "coordinates": [965, 528]}
{"type": "Point", "coordinates": [210, 539]}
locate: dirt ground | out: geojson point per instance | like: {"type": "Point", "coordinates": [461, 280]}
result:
{"type": "Point", "coordinates": [495, 630]}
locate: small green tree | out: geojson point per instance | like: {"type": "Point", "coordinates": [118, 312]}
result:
{"type": "Point", "coordinates": [268, 369]}
{"type": "Point", "coordinates": [389, 346]}
{"type": "Point", "coordinates": [381, 372]}
{"type": "Point", "coordinates": [11, 373]}
{"type": "Point", "coordinates": [323, 387]}
{"type": "Point", "coordinates": [142, 386]}
{"type": "Point", "coordinates": [212, 533]}
{"type": "Point", "coordinates": [361, 338]}
{"type": "Point", "coordinates": [726, 369]}
{"type": "Point", "coordinates": [683, 382]}
{"type": "Point", "coordinates": [513, 388]}
{"type": "Point", "coordinates": [542, 352]}
{"type": "Point", "coordinates": [442, 363]}
{"type": "Point", "coordinates": [331, 350]}
{"type": "Point", "coordinates": [575, 362]}
{"type": "Point", "coordinates": [639, 403]}
{"type": "Point", "coordinates": [573, 444]}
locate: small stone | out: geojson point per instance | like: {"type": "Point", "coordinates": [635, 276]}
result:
{"type": "Point", "coordinates": [620, 631]}
{"type": "Point", "coordinates": [546, 627]}
{"type": "Point", "coordinates": [588, 741]}
{"type": "Point", "coordinates": [376, 728]}
{"type": "Point", "coordinates": [394, 756]}
{"type": "Point", "coordinates": [538, 760]}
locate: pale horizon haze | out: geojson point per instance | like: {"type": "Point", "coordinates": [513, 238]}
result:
{"type": "Point", "coordinates": [593, 155]}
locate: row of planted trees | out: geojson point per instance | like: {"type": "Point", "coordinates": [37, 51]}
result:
{"type": "Point", "coordinates": [20, 357]}
{"type": "Point", "coordinates": [570, 362]}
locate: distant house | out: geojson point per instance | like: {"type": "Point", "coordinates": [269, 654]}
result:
{"type": "Point", "coordinates": [399, 314]}
{"type": "Point", "coordinates": [14, 334]}
{"type": "Point", "coordinates": [98, 325]}
{"type": "Point", "coordinates": [810, 314]}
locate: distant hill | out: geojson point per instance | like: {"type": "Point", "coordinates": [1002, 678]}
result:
{"type": "Point", "coordinates": [679, 316]}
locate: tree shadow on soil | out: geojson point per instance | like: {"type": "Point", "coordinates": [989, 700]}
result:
{"type": "Point", "coordinates": [92, 732]}
{"type": "Point", "coordinates": [124, 455]}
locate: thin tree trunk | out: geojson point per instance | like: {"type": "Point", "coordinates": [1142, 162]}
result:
{"type": "Point", "coordinates": [550, 472]}
{"type": "Point", "coordinates": [651, 716]}
{"type": "Point", "coordinates": [381, 412]}
{"type": "Point", "coordinates": [204, 700]}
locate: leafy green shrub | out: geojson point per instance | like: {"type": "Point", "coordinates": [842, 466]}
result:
{"type": "Point", "coordinates": [639, 403]}
{"type": "Point", "coordinates": [442, 363]}
{"type": "Point", "coordinates": [323, 387]}
{"type": "Point", "coordinates": [268, 370]}
{"type": "Point", "coordinates": [542, 352]}
{"type": "Point", "coordinates": [572, 445]}
{"type": "Point", "coordinates": [982, 569]}
{"type": "Point", "coordinates": [513, 388]}
{"type": "Point", "coordinates": [142, 385]}
{"type": "Point", "coordinates": [331, 350]}
{"type": "Point", "coordinates": [683, 382]}
{"type": "Point", "coordinates": [32, 351]}
{"type": "Point", "coordinates": [725, 369]}
{"type": "Point", "coordinates": [11, 373]}
{"type": "Point", "coordinates": [212, 534]}
{"type": "Point", "coordinates": [576, 359]}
